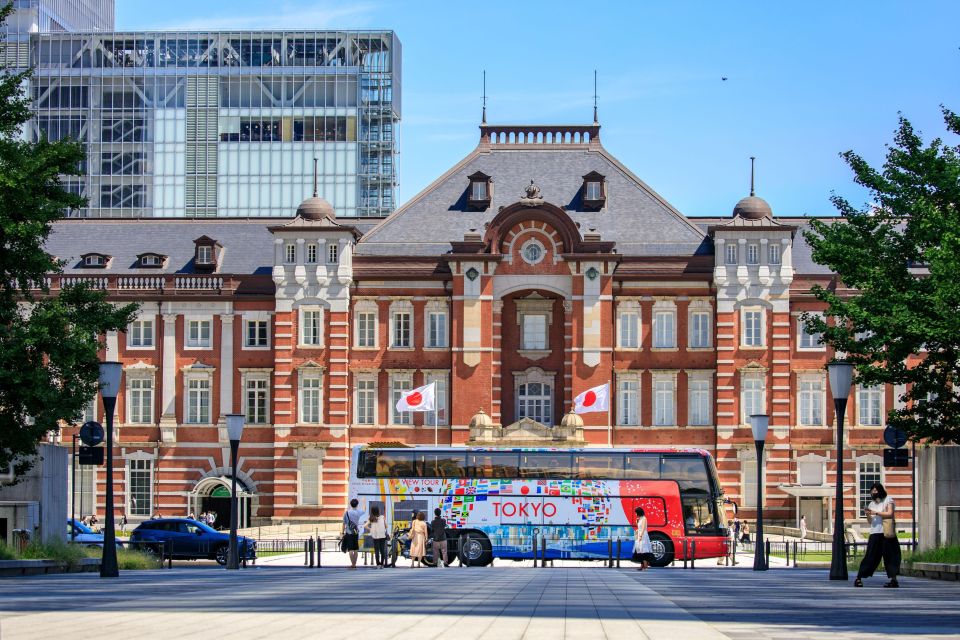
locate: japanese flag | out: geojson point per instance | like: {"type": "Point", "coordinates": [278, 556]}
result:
{"type": "Point", "coordinates": [595, 399]}
{"type": "Point", "coordinates": [419, 399]}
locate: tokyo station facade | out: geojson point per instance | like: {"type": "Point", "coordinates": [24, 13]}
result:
{"type": "Point", "coordinates": [535, 268]}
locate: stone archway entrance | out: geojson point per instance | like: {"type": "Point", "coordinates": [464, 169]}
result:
{"type": "Point", "coordinates": [213, 494]}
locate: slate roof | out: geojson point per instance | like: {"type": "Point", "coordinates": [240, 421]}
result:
{"type": "Point", "coordinates": [637, 218]}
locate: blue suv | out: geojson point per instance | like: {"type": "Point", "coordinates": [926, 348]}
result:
{"type": "Point", "coordinates": [186, 539]}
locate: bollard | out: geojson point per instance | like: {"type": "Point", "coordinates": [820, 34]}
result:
{"type": "Point", "coordinates": [319, 550]}
{"type": "Point", "coordinates": [168, 548]}
{"type": "Point", "coordinates": [693, 554]}
{"type": "Point", "coordinates": [534, 551]}
{"type": "Point", "coordinates": [610, 553]}
{"type": "Point", "coordinates": [734, 552]}
{"type": "Point", "coordinates": [766, 563]}
{"type": "Point", "coordinates": [310, 544]}
{"type": "Point", "coordinates": [685, 554]}
{"type": "Point", "coordinates": [543, 552]}
{"type": "Point", "coordinates": [243, 554]}
{"type": "Point", "coordinates": [305, 551]}
{"type": "Point", "coordinates": [619, 551]}
{"type": "Point", "coordinates": [796, 545]}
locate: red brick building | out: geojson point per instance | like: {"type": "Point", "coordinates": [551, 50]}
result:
{"type": "Point", "coordinates": [535, 268]}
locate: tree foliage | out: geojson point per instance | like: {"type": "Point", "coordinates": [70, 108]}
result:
{"type": "Point", "coordinates": [896, 305]}
{"type": "Point", "coordinates": [49, 362]}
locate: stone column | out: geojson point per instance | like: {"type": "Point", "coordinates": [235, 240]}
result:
{"type": "Point", "coordinates": [168, 419]}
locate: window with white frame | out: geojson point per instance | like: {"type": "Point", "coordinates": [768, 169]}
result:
{"type": "Point", "coordinates": [256, 333]}
{"type": "Point", "coordinates": [810, 472]}
{"type": "Point", "coordinates": [748, 482]}
{"type": "Point", "coordinates": [664, 399]}
{"type": "Point", "coordinates": [140, 334]}
{"type": "Point", "coordinates": [365, 409]}
{"type": "Point", "coordinates": [753, 253]}
{"type": "Point", "coordinates": [311, 395]}
{"type": "Point", "coordinates": [400, 383]}
{"type": "Point", "coordinates": [85, 489]}
{"type": "Point", "coordinates": [441, 378]}
{"type": "Point", "coordinates": [256, 394]}
{"type": "Point", "coordinates": [436, 325]}
{"type": "Point", "coordinates": [699, 323]}
{"type": "Point", "coordinates": [290, 253]}
{"type": "Point", "coordinates": [140, 486]}
{"type": "Point", "coordinates": [204, 254]}
{"type": "Point", "coordinates": [773, 253]}
{"type": "Point", "coordinates": [628, 325]}
{"type": "Point", "coordinates": [870, 405]}
{"type": "Point", "coordinates": [312, 253]}
{"type": "Point", "coordinates": [698, 400]}
{"type": "Point", "coordinates": [333, 253]}
{"type": "Point", "coordinates": [308, 481]}
{"type": "Point", "coordinates": [311, 326]}
{"type": "Point", "coordinates": [365, 323]}
{"type": "Point", "coordinates": [198, 400]}
{"type": "Point", "coordinates": [90, 411]}
{"type": "Point", "coordinates": [199, 333]}
{"type": "Point", "coordinates": [752, 328]}
{"type": "Point", "coordinates": [139, 398]}
{"type": "Point", "coordinates": [534, 332]}
{"type": "Point", "coordinates": [664, 325]}
{"type": "Point", "coordinates": [808, 340]}
{"type": "Point", "coordinates": [401, 324]}
{"type": "Point", "coordinates": [535, 401]}
{"type": "Point", "coordinates": [753, 394]}
{"type": "Point", "coordinates": [811, 400]}
{"type": "Point", "coordinates": [868, 472]}
{"type": "Point", "coordinates": [730, 254]}
{"type": "Point", "coordinates": [628, 399]}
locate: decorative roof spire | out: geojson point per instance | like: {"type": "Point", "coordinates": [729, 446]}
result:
{"type": "Point", "coordinates": [595, 121]}
{"type": "Point", "coordinates": [314, 177]}
{"type": "Point", "coordinates": [483, 120]}
{"type": "Point", "coordinates": [752, 158]}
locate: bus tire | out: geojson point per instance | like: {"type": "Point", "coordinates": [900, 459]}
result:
{"type": "Point", "coordinates": [662, 547]}
{"type": "Point", "coordinates": [477, 550]}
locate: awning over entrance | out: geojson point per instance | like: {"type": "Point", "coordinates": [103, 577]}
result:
{"type": "Point", "coordinates": [811, 491]}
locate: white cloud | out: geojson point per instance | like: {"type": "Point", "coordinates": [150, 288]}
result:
{"type": "Point", "coordinates": [287, 16]}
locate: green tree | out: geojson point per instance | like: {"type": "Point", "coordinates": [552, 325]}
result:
{"type": "Point", "coordinates": [897, 291]}
{"type": "Point", "coordinates": [48, 343]}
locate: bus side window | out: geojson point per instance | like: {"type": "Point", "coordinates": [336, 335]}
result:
{"type": "Point", "coordinates": [599, 465]}
{"type": "Point", "coordinates": [642, 466]}
{"type": "Point", "coordinates": [368, 465]}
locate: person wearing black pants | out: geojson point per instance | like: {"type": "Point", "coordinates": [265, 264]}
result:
{"type": "Point", "coordinates": [882, 543]}
{"type": "Point", "coordinates": [377, 525]}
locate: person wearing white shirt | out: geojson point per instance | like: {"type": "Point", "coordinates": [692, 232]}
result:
{"type": "Point", "coordinates": [882, 543]}
{"type": "Point", "coordinates": [377, 527]}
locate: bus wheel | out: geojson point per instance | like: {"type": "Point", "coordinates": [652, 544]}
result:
{"type": "Point", "coordinates": [476, 550]}
{"type": "Point", "coordinates": [662, 548]}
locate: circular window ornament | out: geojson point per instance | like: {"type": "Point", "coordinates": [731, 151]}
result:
{"type": "Point", "coordinates": [532, 252]}
{"type": "Point", "coordinates": [592, 273]}
{"type": "Point", "coordinates": [472, 274]}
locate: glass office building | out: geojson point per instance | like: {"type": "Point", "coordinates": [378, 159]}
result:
{"type": "Point", "coordinates": [222, 124]}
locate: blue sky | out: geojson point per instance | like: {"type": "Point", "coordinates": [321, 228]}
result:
{"type": "Point", "coordinates": [806, 80]}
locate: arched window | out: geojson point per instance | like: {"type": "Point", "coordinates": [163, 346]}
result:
{"type": "Point", "coordinates": [534, 396]}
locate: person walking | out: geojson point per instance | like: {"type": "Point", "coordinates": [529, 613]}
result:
{"type": "Point", "coordinates": [418, 540]}
{"type": "Point", "coordinates": [642, 550]}
{"type": "Point", "coordinates": [803, 527]}
{"type": "Point", "coordinates": [377, 527]}
{"type": "Point", "coordinates": [350, 532]}
{"type": "Point", "coordinates": [123, 523]}
{"type": "Point", "coordinates": [745, 533]}
{"type": "Point", "coordinates": [438, 527]}
{"type": "Point", "coordinates": [882, 543]}
{"type": "Point", "coordinates": [736, 530]}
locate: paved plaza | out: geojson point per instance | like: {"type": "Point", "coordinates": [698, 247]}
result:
{"type": "Point", "coordinates": [501, 602]}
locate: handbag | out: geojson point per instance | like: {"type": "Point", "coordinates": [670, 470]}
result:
{"type": "Point", "coordinates": [889, 528]}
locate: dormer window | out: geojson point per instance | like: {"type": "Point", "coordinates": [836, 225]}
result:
{"type": "Point", "coordinates": [205, 257]}
{"type": "Point", "coordinates": [594, 191]}
{"type": "Point", "coordinates": [150, 260]}
{"type": "Point", "coordinates": [95, 260]}
{"type": "Point", "coordinates": [479, 194]}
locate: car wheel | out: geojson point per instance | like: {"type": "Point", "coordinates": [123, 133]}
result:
{"type": "Point", "coordinates": [476, 550]}
{"type": "Point", "coordinates": [662, 548]}
{"type": "Point", "coordinates": [220, 555]}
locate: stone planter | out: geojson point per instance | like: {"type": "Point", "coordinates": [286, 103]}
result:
{"type": "Point", "coordinates": [933, 570]}
{"type": "Point", "coordinates": [40, 567]}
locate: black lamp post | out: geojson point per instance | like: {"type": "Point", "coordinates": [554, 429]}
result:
{"type": "Point", "coordinates": [109, 387]}
{"type": "Point", "coordinates": [841, 377]}
{"type": "Point", "coordinates": [759, 424]}
{"type": "Point", "coordinates": [234, 432]}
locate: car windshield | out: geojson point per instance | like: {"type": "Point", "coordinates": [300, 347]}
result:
{"type": "Point", "coordinates": [82, 528]}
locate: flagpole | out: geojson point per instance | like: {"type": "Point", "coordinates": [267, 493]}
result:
{"type": "Point", "coordinates": [610, 413]}
{"type": "Point", "coordinates": [436, 437]}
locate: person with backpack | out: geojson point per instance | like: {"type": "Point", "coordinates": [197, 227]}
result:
{"type": "Point", "coordinates": [438, 527]}
{"type": "Point", "coordinates": [350, 532]}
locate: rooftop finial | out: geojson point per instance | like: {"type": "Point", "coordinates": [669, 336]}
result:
{"type": "Point", "coordinates": [595, 121]}
{"type": "Point", "coordinates": [752, 158]}
{"type": "Point", "coordinates": [314, 177]}
{"type": "Point", "coordinates": [484, 119]}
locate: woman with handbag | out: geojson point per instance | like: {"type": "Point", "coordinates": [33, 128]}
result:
{"type": "Point", "coordinates": [418, 540]}
{"type": "Point", "coordinates": [882, 543]}
{"type": "Point", "coordinates": [642, 550]}
{"type": "Point", "coordinates": [377, 526]}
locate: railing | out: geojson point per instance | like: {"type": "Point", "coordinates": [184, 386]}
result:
{"type": "Point", "coordinates": [539, 135]}
{"type": "Point", "coordinates": [140, 283]}
{"type": "Point", "coordinates": [198, 283]}
{"type": "Point", "coordinates": [169, 283]}
{"type": "Point", "coordinates": [95, 282]}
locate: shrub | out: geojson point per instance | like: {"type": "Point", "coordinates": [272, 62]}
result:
{"type": "Point", "coordinates": [129, 559]}
{"type": "Point", "coordinates": [948, 555]}
{"type": "Point", "coordinates": [70, 554]}
{"type": "Point", "coordinates": [6, 553]}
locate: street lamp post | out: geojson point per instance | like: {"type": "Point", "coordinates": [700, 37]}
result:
{"type": "Point", "coordinates": [234, 432]}
{"type": "Point", "coordinates": [109, 387]}
{"type": "Point", "coordinates": [759, 424]}
{"type": "Point", "coordinates": [841, 377]}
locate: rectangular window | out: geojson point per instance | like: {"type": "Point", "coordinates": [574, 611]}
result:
{"type": "Point", "coordinates": [663, 402]}
{"type": "Point", "coordinates": [311, 253]}
{"type": "Point", "coordinates": [748, 483]}
{"type": "Point", "coordinates": [664, 330]}
{"type": "Point", "coordinates": [199, 334]}
{"type": "Point", "coordinates": [140, 487]}
{"type": "Point", "coordinates": [309, 481]}
{"type": "Point", "coordinates": [333, 253]}
{"type": "Point", "coordinates": [753, 253]}
{"type": "Point", "coordinates": [402, 321]}
{"type": "Point", "coordinates": [366, 329]}
{"type": "Point", "coordinates": [698, 403]}
{"type": "Point", "coordinates": [629, 330]}
{"type": "Point", "coordinates": [868, 473]}
{"type": "Point", "coordinates": [290, 254]}
{"type": "Point", "coordinates": [311, 385]}
{"type": "Point", "coordinates": [593, 190]}
{"type": "Point", "coordinates": [311, 329]}
{"type": "Point", "coordinates": [811, 401]}
{"type": "Point", "coordinates": [198, 401]}
{"type": "Point", "coordinates": [90, 410]}
{"type": "Point", "coordinates": [730, 254]}
{"type": "Point", "coordinates": [808, 340]}
{"type": "Point", "coordinates": [700, 330]}
{"type": "Point", "coordinates": [870, 401]}
{"type": "Point", "coordinates": [141, 400]}
{"type": "Point", "coordinates": [753, 328]}
{"type": "Point", "coordinates": [205, 254]}
{"type": "Point", "coordinates": [478, 190]}
{"type": "Point", "coordinates": [440, 399]}
{"type": "Point", "coordinates": [256, 401]}
{"type": "Point", "coordinates": [399, 386]}
{"type": "Point", "coordinates": [628, 402]}
{"type": "Point", "coordinates": [366, 401]}
{"type": "Point", "coordinates": [140, 334]}
{"type": "Point", "coordinates": [810, 472]}
{"type": "Point", "coordinates": [437, 329]}
{"type": "Point", "coordinates": [773, 254]}
{"type": "Point", "coordinates": [752, 396]}
{"type": "Point", "coordinates": [535, 332]}
{"type": "Point", "coordinates": [257, 333]}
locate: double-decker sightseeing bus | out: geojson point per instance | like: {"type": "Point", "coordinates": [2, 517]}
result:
{"type": "Point", "coordinates": [576, 500]}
